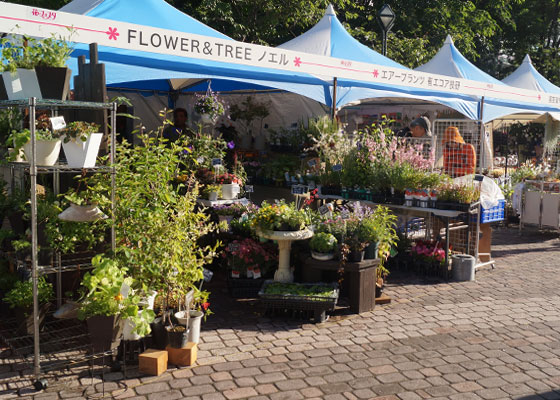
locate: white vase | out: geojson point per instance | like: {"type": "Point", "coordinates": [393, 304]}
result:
{"type": "Point", "coordinates": [230, 191]}
{"type": "Point", "coordinates": [87, 213]}
{"type": "Point", "coordinates": [80, 154]}
{"type": "Point", "coordinates": [46, 152]}
{"type": "Point", "coordinates": [22, 84]}
{"type": "Point", "coordinates": [151, 298]}
{"type": "Point", "coordinates": [195, 319]}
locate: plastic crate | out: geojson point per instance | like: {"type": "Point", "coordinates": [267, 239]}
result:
{"type": "Point", "coordinates": [493, 214]}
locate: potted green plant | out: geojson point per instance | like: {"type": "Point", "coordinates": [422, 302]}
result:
{"type": "Point", "coordinates": [81, 142]}
{"type": "Point", "coordinates": [368, 233]}
{"type": "Point", "coordinates": [212, 192]}
{"type": "Point", "coordinates": [20, 298]}
{"type": "Point", "coordinates": [108, 301]}
{"type": "Point", "coordinates": [10, 120]}
{"type": "Point", "coordinates": [322, 246]}
{"type": "Point", "coordinates": [19, 58]}
{"type": "Point", "coordinates": [47, 142]}
{"type": "Point", "coordinates": [53, 75]}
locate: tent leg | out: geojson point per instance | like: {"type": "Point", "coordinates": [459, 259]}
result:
{"type": "Point", "coordinates": [333, 105]}
{"type": "Point", "coordinates": [480, 135]}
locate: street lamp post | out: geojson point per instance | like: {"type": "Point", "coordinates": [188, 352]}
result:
{"type": "Point", "coordinates": [386, 18]}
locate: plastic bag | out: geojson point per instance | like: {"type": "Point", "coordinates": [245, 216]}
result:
{"type": "Point", "coordinates": [490, 192]}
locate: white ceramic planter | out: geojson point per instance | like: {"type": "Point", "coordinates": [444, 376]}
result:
{"type": "Point", "coordinates": [76, 213]}
{"type": "Point", "coordinates": [230, 191]}
{"type": "Point", "coordinates": [81, 154]}
{"type": "Point", "coordinates": [322, 256]}
{"type": "Point", "coordinates": [195, 319]}
{"type": "Point", "coordinates": [46, 152]}
{"type": "Point", "coordinates": [21, 84]}
{"type": "Point", "coordinates": [213, 196]}
{"type": "Point", "coordinates": [207, 119]}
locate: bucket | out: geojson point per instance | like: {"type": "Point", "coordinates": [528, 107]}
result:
{"type": "Point", "coordinates": [462, 267]}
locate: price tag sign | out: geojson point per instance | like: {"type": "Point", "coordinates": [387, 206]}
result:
{"type": "Point", "coordinates": [58, 123]}
{"type": "Point", "coordinates": [337, 167]}
{"type": "Point", "coordinates": [249, 189]}
{"type": "Point", "coordinates": [216, 161]}
{"type": "Point", "coordinates": [233, 247]}
{"type": "Point", "coordinates": [244, 202]}
{"type": "Point", "coordinates": [312, 163]}
{"type": "Point", "coordinates": [324, 209]}
{"type": "Point", "coordinates": [311, 185]}
{"type": "Point", "coordinates": [207, 275]}
{"type": "Point", "coordinates": [298, 189]}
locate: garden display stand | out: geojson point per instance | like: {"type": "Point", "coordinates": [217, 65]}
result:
{"type": "Point", "coordinates": [64, 335]}
{"type": "Point", "coordinates": [285, 238]}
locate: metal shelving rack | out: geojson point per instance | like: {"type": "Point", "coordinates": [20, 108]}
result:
{"type": "Point", "coordinates": [61, 336]}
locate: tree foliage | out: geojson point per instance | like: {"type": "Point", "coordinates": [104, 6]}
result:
{"type": "Point", "coordinates": [495, 35]}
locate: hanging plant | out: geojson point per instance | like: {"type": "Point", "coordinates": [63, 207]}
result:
{"type": "Point", "coordinates": [209, 103]}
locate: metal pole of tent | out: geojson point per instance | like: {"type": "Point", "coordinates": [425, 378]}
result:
{"type": "Point", "coordinates": [113, 171]}
{"type": "Point", "coordinates": [33, 175]}
{"type": "Point", "coordinates": [333, 105]}
{"type": "Point", "coordinates": [481, 134]}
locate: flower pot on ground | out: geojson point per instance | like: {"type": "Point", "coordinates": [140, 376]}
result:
{"type": "Point", "coordinates": [177, 336]}
{"type": "Point", "coordinates": [20, 298]}
{"type": "Point", "coordinates": [323, 246]}
{"type": "Point", "coordinates": [159, 334]}
{"type": "Point", "coordinates": [54, 82]}
{"type": "Point", "coordinates": [195, 320]}
{"type": "Point", "coordinates": [105, 332]}
{"type": "Point", "coordinates": [81, 142]}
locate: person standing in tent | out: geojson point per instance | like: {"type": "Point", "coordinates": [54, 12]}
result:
{"type": "Point", "coordinates": [419, 128]}
{"type": "Point", "coordinates": [459, 158]}
{"type": "Point", "coordinates": [179, 128]}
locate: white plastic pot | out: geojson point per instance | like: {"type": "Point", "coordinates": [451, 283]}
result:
{"type": "Point", "coordinates": [87, 213]}
{"type": "Point", "coordinates": [195, 319]}
{"type": "Point", "coordinates": [81, 154]}
{"type": "Point", "coordinates": [182, 317]}
{"type": "Point", "coordinates": [230, 191]}
{"type": "Point", "coordinates": [46, 152]}
{"type": "Point", "coordinates": [322, 256]}
{"type": "Point", "coordinates": [207, 119]}
{"type": "Point", "coordinates": [127, 331]}
{"type": "Point", "coordinates": [213, 196]}
{"type": "Point", "coordinates": [22, 84]}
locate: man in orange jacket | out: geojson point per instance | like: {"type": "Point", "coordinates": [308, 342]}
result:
{"type": "Point", "coordinates": [459, 158]}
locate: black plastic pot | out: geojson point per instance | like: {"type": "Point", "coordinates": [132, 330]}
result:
{"type": "Point", "coordinates": [159, 334]}
{"type": "Point", "coordinates": [356, 256]}
{"type": "Point", "coordinates": [371, 251]}
{"type": "Point", "coordinates": [105, 332]}
{"type": "Point", "coordinates": [17, 223]}
{"type": "Point", "coordinates": [54, 82]}
{"type": "Point", "coordinates": [177, 340]}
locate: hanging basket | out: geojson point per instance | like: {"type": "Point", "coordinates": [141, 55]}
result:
{"type": "Point", "coordinates": [87, 213]}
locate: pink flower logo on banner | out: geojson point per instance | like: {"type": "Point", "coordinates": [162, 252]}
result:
{"type": "Point", "coordinates": [297, 62]}
{"type": "Point", "coordinates": [375, 73]}
{"type": "Point", "coordinates": [112, 33]}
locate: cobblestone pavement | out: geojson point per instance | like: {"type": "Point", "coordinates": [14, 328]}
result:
{"type": "Point", "coordinates": [496, 338]}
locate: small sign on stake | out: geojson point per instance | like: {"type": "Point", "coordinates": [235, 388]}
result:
{"type": "Point", "coordinates": [312, 163]}
{"type": "Point", "coordinates": [298, 189]}
{"type": "Point", "coordinates": [249, 189]}
{"type": "Point", "coordinates": [337, 168]}
{"type": "Point", "coordinates": [58, 123]}
{"type": "Point", "coordinates": [216, 162]}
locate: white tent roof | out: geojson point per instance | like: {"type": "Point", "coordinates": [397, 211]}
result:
{"type": "Point", "coordinates": [527, 77]}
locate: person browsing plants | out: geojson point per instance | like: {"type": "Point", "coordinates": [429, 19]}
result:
{"type": "Point", "coordinates": [179, 128]}
{"type": "Point", "coordinates": [459, 158]}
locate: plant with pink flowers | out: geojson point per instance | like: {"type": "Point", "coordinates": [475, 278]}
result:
{"type": "Point", "coordinates": [248, 254]}
{"type": "Point", "coordinates": [428, 251]}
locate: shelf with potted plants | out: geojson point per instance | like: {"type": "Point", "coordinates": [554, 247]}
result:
{"type": "Point", "coordinates": [33, 140]}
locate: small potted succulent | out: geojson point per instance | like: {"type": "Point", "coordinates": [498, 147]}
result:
{"type": "Point", "coordinates": [81, 142]}
{"type": "Point", "coordinates": [20, 298]}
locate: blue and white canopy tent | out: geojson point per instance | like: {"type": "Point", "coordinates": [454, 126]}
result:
{"type": "Point", "coordinates": [130, 71]}
{"type": "Point", "coordinates": [330, 38]}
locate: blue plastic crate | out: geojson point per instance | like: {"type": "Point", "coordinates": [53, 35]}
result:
{"type": "Point", "coordinates": [493, 214]}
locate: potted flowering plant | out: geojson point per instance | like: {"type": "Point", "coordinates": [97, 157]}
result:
{"type": "Point", "coordinates": [429, 256]}
{"type": "Point", "coordinates": [281, 216]}
{"type": "Point", "coordinates": [81, 141]}
{"type": "Point", "coordinates": [322, 246]}
{"type": "Point", "coordinates": [230, 185]}
{"type": "Point", "coordinates": [47, 142]}
{"type": "Point", "coordinates": [209, 106]}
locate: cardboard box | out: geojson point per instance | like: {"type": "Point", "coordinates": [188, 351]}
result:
{"type": "Point", "coordinates": [183, 357]}
{"type": "Point", "coordinates": [153, 362]}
